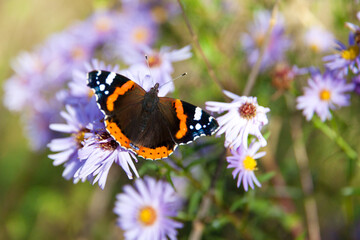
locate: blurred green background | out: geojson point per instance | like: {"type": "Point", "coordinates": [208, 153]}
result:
{"type": "Point", "coordinates": [37, 203]}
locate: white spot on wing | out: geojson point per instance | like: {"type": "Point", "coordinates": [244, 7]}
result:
{"type": "Point", "coordinates": [110, 78]}
{"type": "Point", "coordinates": [102, 87]}
{"type": "Point", "coordinates": [198, 113]}
{"type": "Point", "coordinates": [98, 74]}
{"type": "Point", "coordinates": [191, 127]}
{"type": "Point", "coordinates": [198, 126]}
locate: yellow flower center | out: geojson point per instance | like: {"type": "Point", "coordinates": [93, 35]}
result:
{"type": "Point", "coordinates": [351, 53]}
{"type": "Point", "coordinates": [103, 24]}
{"type": "Point", "coordinates": [249, 163]}
{"type": "Point", "coordinates": [325, 95]}
{"type": "Point", "coordinates": [147, 215]}
{"type": "Point", "coordinates": [259, 39]}
{"type": "Point", "coordinates": [80, 136]}
{"type": "Point", "coordinates": [315, 48]}
{"type": "Point", "coordinates": [140, 34]}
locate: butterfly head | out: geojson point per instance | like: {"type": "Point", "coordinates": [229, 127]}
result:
{"type": "Point", "coordinates": [155, 89]}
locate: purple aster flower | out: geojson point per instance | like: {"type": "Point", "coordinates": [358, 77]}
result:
{"type": "Point", "coordinates": [324, 92]}
{"type": "Point", "coordinates": [318, 39]}
{"type": "Point", "coordinates": [79, 92]}
{"type": "Point", "coordinates": [17, 94]}
{"type": "Point", "coordinates": [98, 153]}
{"type": "Point", "coordinates": [89, 151]}
{"type": "Point", "coordinates": [104, 25]}
{"type": "Point", "coordinates": [253, 40]}
{"type": "Point", "coordinates": [347, 57]}
{"type": "Point", "coordinates": [35, 75]}
{"type": "Point", "coordinates": [146, 210]}
{"type": "Point", "coordinates": [160, 62]}
{"type": "Point", "coordinates": [244, 116]}
{"type": "Point", "coordinates": [138, 30]}
{"type": "Point", "coordinates": [37, 127]}
{"type": "Point", "coordinates": [160, 10]}
{"type": "Point", "coordinates": [78, 121]}
{"type": "Point", "coordinates": [244, 162]}
{"type": "Point", "coordinates": [72, 47]}
{"type": "Point", "coordinates": [356, 82]}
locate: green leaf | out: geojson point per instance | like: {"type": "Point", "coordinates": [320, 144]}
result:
{"type": "Point", "coordinates": [238, 204]}
{"type": "Point", "coordinates": [350, 191]}
{"type": "Point", "coordinates": [194, 203]}
{"type": "Point", "coordinates": [267, 176]}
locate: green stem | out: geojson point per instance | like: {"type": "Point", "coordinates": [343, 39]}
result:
{"type": "Point", "coordinates": [348, 150]}
{"type": "Point", "coordinates": [194, 182]}
{"type": "Point", "coordinates": [256, 68]}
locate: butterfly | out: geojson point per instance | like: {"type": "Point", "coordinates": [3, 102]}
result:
{"type": "Point", "coordinates": [144, 123]}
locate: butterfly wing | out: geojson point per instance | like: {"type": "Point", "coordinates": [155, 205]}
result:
{"type": "Point", "coordinates": [120, 99]}
{"type": "Point", "coordinates": [191, 122]}
{"type": "Point", "coordinates": [113, 89]}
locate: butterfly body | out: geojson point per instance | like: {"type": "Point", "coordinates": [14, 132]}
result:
{"type": "Point", "coordinates": [140, 121]}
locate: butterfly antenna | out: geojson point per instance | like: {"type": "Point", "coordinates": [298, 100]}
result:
{"type": "Point", "coordinates": [172, 80]}
{"type": "Point", "coordinates": [149, 68]}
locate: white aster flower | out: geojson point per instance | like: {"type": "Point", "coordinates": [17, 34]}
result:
{"type": "Point", "coordinates": [318, 39]}
{"type": "Point", "coordinates": [244, 116]}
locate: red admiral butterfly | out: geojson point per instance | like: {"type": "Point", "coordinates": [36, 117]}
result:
{"type": "Point", "coordinates": [144, 123]}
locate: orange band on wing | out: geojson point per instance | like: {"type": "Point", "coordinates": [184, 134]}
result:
{"type": "Point", "coordinates": [115, 131]}
{"type": "Point", "coordinates": [149, 153]}
{"type": "Point", "coordinates": [118, 91]}
{"type": "Point", "coordinates": [153, 153]}
{"type": "Point", "coordinates": [182, 117]}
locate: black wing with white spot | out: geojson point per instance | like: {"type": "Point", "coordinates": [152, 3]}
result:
{"type": "Point", "coordinates": [106, 86]}
{"type": "Point", "coordinates": [198, 122]}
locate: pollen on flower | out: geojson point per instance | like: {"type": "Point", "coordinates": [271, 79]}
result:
{"type": "Point", "coordinates": [247, 110]}
{"type": "Point", "coordinates": [90, 93]}
{"type": "Point", "coordinates": [140, 34]}
{"type": "Point", "coordinates": [351, 53]}
{"type": "Point", "coordinates": [249, 163]}
{"type": "Point", "coordinates": [154, 60]}
{"type": "Point", "coordinates": [325, 95]}
{"type": "Point", "coordinates": [315, 47]}
{"type": "Point", "coordinates": [147, 215]}
{"type": "Point", "coordinates": [80, 136]}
